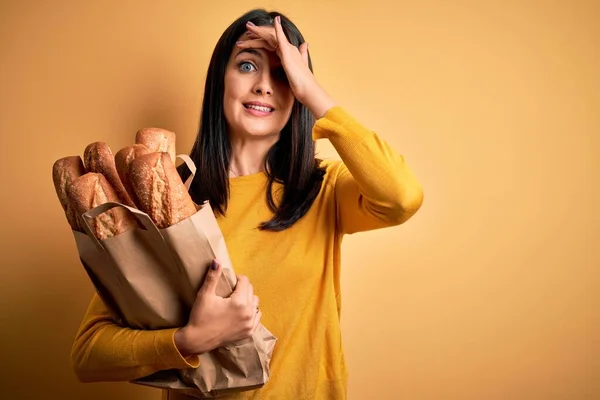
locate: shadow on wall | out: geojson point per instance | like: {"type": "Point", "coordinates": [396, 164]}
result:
{"type": "Point", "coordinates": [42, 321]}
{"type": "Point", "coordinates": [48, 291]}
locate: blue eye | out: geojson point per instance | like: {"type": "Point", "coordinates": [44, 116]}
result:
{"type": "Point", "coordinates": [246, 66]}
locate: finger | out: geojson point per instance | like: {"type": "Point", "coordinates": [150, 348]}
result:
{"type": "Point", "coordinates": [255, 44]}
{"type": "Point", "coordinates": [279, 34]}
{"type": "Point", "coordinates": [261, 30]}
{"type": "Point", "coordinates": [265, 32]}
{"type": "Point", "coordinates": [304, 52]}
{"type": "Point", "coordinates": [256, 301]}
{"type": "Point", "coordinates": [212, 277]}
{"type": "Point", "coordinates": [250, 295]}
{"type": "Point", "coordinates": [256, 320]}
{"type": "Point", "coordinates": [241, 287]}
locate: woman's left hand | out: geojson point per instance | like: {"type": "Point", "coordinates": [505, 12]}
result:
{"type": "Point", "coordinates": [294, 61]}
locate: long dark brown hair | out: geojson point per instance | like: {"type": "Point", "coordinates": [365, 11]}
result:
{"type": "Point", "coordinates": [291, 161]}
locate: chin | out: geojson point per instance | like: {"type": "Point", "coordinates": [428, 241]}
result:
{"type": "Point", "coordinates": [262, 134]}
{"type": "Point", "coordinates": [259, 131]}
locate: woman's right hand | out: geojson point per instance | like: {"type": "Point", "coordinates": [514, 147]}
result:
{"type": "Point", "coordinates": [215, 321]}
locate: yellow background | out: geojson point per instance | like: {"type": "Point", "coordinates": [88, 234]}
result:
{"type": "Point", "coordinates": [490, 292]}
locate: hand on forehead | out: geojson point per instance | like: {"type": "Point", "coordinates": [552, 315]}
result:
{"type": "Point", "coordinates": [251, 43]}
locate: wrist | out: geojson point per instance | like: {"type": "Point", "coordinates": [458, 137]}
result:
{"type": "Point", "coordinates": [317, 101]}
{"type": "Point", "coordinates": [182, 342]}
{"type": "Point", "coordinates": [191, 341]}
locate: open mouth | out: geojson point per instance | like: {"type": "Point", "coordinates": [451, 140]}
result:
{"type": "Point", "coordinates": [259, 108]}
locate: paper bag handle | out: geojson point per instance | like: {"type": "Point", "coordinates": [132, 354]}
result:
{"type": "Point", "coordinates": [192, 167]}
{"type": "Point", "coordinates": [143, 218]}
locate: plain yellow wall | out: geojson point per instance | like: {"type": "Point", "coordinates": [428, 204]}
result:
{"type": "Point", "coordinates": [490, 292]}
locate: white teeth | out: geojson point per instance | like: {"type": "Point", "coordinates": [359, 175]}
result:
{"type": "Point", "coordinates": [259, 108]}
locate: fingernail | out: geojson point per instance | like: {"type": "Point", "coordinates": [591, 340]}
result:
{"type": "Point", "coordinates": [240, 42]}
{"type": "Point", "coordinates": [214, 265]}
{"type": "Point", "coordinates": [250, 23]}
{"type": "Point", "coordinates": [278, 19]}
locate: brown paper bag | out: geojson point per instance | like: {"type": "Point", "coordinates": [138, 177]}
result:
{"type": "Point", "coordinates": [149, 278]}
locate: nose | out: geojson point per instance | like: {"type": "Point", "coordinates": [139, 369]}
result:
{"type": "Point", "coordinates": [264, 85]}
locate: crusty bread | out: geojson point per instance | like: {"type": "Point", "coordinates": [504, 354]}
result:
{"type": "Point", "coordinates": [123, 159]}
{"type": "Point", "coordinates": [99, 158]}
{"type": "Point", "coordinates": [64, 172]}
{"type": "Point", "coordinates": [157, 140]}
{"type": "Point", "coordinates": [91, 190]}
{"type": "Point", "coordinates": [159, 189]}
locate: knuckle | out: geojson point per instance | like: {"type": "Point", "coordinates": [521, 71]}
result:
{"type": "Point", "coordinates": [238, 304]}
{"type": "Point", "coordinates": [208, 280]}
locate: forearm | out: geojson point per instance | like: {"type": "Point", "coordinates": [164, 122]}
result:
{"type": "Point", "coordinates": [105, 351]}
{"type": "Point", "coordinates": [318, 101]}
{"type": "Point", "coordinates": [383, 178]}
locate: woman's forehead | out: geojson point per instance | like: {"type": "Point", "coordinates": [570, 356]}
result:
{"type": "Point", "coordinates": [259, 53]}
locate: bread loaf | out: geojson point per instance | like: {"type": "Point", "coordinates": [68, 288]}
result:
{"type": "Point", "coordinates": [123, 159]}
{"type": "Point", "coordinates": [91, 190]}
{"type": "Point", "coordinates": [159, 189]}
{"type": "Point", "coordinates": [99, 158]}
{"type": "Point", "coordinates": [64, 172]}
{"type": "Point", "coordinates": [157, 140]}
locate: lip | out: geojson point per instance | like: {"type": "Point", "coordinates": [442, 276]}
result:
{"type": "Point", "coordinates": [258, 103]}
{"type": "Point", "coordinates": [257, 113]}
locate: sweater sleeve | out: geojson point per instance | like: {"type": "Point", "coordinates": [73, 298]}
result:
{"type": "Point", "coordinates": [105, 351]}
{"type": "Point", "coordinates": [374, 187]}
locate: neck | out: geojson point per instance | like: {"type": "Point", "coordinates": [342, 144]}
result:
{"type": "Point", "coordinates": [248, 156]}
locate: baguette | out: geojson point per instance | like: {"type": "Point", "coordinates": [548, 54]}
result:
{"type": "Point", "coordinates": [123, 159]}
{"type": "Point", "coordinates": [159, 189]}
{"type": "Point", "coordinates": [157, 140]}
{"type": "Point", "coordinates": [91, 190]}
{"type": "Point", "coordinates": [64, 172]}
{"type": "Point", "coordinates": [99, 158]}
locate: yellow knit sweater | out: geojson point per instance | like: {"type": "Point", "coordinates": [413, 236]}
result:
{"type": "Point", "coordinates": [296, 272]}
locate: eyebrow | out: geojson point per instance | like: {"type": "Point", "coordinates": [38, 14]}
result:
{"type": "Point", "coordinates": [250, 51]}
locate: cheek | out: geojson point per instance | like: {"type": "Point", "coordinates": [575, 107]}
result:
{"type": "Point", "coordinates": [233, 83]}
{"type": "Point", "coordinates": [230, 94]}
{"type": "Point", "coordinates": [285, 116]}
{"type": "Point", "coordinates": [287, 98]}
{"type": "Point", "coordinates": [229, 85]}
{"type": "Point", "coordinates": [229, 101]}
{"type": "Point", "coordinates": [289, 104]}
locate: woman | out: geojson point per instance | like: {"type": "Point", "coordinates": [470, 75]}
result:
{"type": "Point", "coordinates": [282, 212]}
